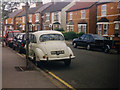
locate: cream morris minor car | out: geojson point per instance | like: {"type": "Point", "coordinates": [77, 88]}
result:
{"type": "Point", "coordinates": [49, 46]}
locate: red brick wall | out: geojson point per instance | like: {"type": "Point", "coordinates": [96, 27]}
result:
{"type": "Point", "coordinates": [112, 14]}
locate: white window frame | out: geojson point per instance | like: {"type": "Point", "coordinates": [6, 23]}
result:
{"type": "Point", "coordinates": [79, 28]}
{"type": "Point", "coordinates": [67, 28]}
{"type": "Point", "coordinates": [104, 10]}
{"type": "Point", "coordinates": [56, 16]}
{"type": "Point", "coordinates": [11, 21]}
{"type": "Point", "coordinates": [117, 27]}
{"type": "Point", "coordinates": [6, 21]}
{"type": "Point", "coordinates": [30, 18]}
{"type": "Point", "coordinates": [99, 29]}
{"type": "Point", "coordinates": [23, 27]}
{"type": "Point", "coordinates": [82, 14]}
{"type": "Point", "coordinates": [72, 28]}
{"type": "Point", "coordinates": [37, 17]}
{"type": "Point", "coordinates": [84, 26]}
{"type": "Point", "coordinates": [71, 15]}
{"type": "Point", "coordinates": [23, 19]}
{"type": "Point", "coordinates": [47, 16]}
{"type": "Point", "coordinates": [105, 29]}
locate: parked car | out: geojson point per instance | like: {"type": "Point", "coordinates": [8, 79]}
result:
{"type": "Point", "coordinates": [2, 36]}
{"type": "Point", "coordinates": [49, 46]}
{"type": "Point", "coordinates": [19, 42]}
{"type": "Point", "coordinates": [90, 41]}
{"type": "Point", "coordinates": [10, 36]}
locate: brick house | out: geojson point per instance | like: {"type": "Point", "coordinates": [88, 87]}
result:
{"type": "Point", "coordinates": [54, 16]}
{"type": "Point", "coordinates": [31, 17]}
{"type": "Point", "coordinates": [108, 19]}
{"type": "Point", "coordinates": [82, 17]}
{"type": "Point", "coordinates": [10, 23]}
{"type": "Point", "coordinates": [39, 16]}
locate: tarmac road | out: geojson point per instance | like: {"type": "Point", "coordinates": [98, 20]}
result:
{"type": "Point", "coordinates": [90, 69]}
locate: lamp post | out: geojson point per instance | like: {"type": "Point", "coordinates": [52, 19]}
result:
{"type": "Point", "coordinates": [27, 34]}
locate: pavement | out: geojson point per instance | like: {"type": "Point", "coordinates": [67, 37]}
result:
{"type": "Point", "coordinates": [12, 77]}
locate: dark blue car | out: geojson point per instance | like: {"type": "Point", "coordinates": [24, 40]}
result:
{"type": "Point", "coordinates": [19, 42]}
{"type": "Point", "coordinates": [91, 41]}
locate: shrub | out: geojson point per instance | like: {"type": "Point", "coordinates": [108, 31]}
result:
{"type": "Point", "coordinates": [80, 34]}
{"type": "Point", "coordinates": [70, 35]}
{"type": "Point", "coordinates": [59, 29]}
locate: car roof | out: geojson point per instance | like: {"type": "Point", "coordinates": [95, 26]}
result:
{"type": "Point", "coordinates": [39, 33]}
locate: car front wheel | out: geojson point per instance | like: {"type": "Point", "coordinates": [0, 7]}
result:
{"type": "Point", "coordinates": [106, 49]}
{"type": "Point", "coordinates": [88, 47]}
{"type": "Point", "coordinates": [75, 45]}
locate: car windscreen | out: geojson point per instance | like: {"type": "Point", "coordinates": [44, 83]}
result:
{"type": "Point", "coordinates": [98, 37]}
{"type": "Point", "coordinates": [51, 37]}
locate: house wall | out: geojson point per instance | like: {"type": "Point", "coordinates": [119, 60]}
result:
{"type": "Point", "coordinates": [76, 18]}
{"type": "Point", "coordinates": [64, 14]}
{"type": "Point", "coordinates": [111, 14]}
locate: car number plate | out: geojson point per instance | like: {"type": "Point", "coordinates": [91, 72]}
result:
{"type": "Point", "coordinates": [57, 52]}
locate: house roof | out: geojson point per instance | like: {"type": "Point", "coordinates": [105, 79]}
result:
{"type": "Point", "coordinates": [81, 5]}
{"type": "Point", "coordinates": [13, 14]}
{"type": "Point", "coordinates": [43, 7]}
{"type": "Point", "coordinates": [103, 19]}
{"type": "Point", "coordinates": [58, 6]}
{"type": "Point", "coordinates": [31, 10]}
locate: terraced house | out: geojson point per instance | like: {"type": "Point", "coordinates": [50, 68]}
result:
{"type": "Point", "coordinates": [108, 19]}
{"type": "Point", "coordinates": [31, 17]}
{"type": "Point", "coordinates": [82, 17]}
{"type": "Point", "coordinates": [55, 15]}
{"type": "Point", "coordinates": [39, 16]}
{"type": "Point", "coordinates": [10, 23]}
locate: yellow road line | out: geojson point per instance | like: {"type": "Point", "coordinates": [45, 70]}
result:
{"type": "Point", "coordinates": [56, 77]}
{"type": "Point", "coordinates": [66, 84]}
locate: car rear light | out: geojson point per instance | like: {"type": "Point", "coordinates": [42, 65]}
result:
{"type": "Point", "coordinates": [113, 46]}
{"type": "Point", "coordinates": [44, 57]}
{"type": "Point", "coordinates": [22, 44]}
{"type": "Point", "coordinates": [70, 55]}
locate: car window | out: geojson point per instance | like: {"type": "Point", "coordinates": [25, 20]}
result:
{"type": "Point", "coordinates": [51, 37]}
{"type": "Point", "coordinates": [83, 36]}
{"type": "Point", "coordinates": [33, 39]}
{"type": "Point", "coordinates": [86, 37]}
{"type": "Point", "coordinates": [98, 37]}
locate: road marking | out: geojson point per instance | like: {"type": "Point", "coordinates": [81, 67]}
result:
{"type": "Point", "coordinates": [65, 83]}
{"type": "Point", "coordinates": [56, 77]}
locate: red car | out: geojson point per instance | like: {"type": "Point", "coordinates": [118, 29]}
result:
{"type": "Point", "coordinates": [10, 36]}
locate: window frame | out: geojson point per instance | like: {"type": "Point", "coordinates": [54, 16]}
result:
{"type": "Point", "coordinates": [71, 14]}
{"type": "Point", "coordinates": [56, 16]}
{"type": "Point", "coordinates": [104, 10]}
{"type": "Point", "coordinates": [47, 16]}
{"type": "Point", "coordinates": [37, 17]}
{"type": "Point", "coordinates": [105, 29]}
{"type": "Point", "coordinates": [82, 14]}
{"type": "Point", "coordinates": [30, 18]}
{"type": "Point", "coordinates": [99, 29]}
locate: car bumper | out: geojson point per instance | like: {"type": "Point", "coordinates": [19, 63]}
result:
{"type": "Point", "coordinates": [57, 59]}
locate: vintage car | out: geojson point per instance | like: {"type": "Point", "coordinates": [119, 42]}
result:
{"type": "Point", "coordinates": [49, 46]}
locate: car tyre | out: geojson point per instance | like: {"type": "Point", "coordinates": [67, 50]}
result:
{"type": "Point", "coordinates": [106, 49]}
{"type": "Point", "coordinates": [67, 62]}
{"type": "Point", "coordinates": [88, 47]}
{"type": "Point", "coordinates": [75, 45]}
